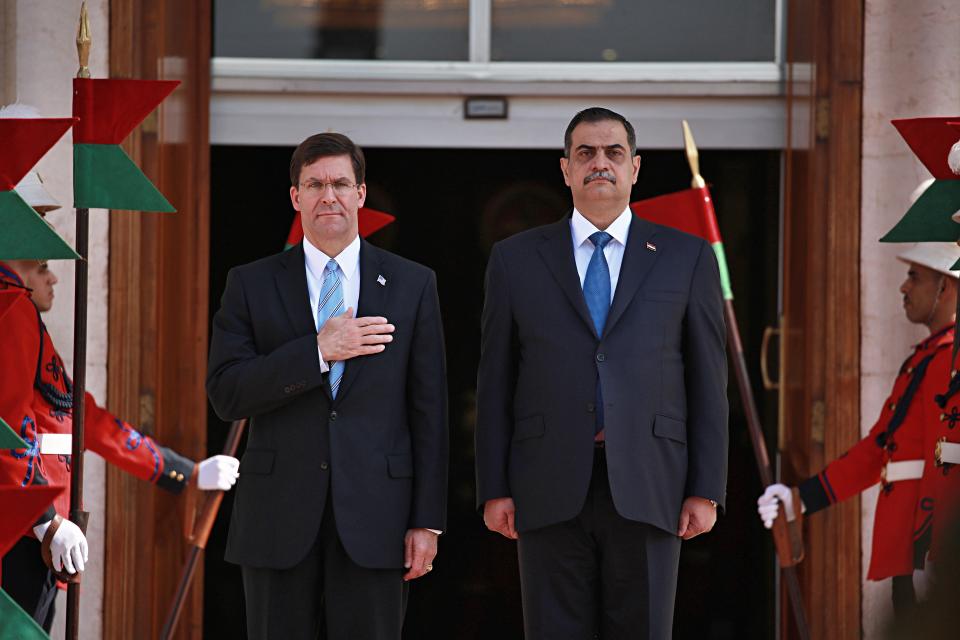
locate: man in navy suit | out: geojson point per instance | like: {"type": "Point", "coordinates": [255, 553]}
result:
{"type": "Point", "coordinates": [601, 435]}
{"type": "Point", "coordinates": [335, 350]}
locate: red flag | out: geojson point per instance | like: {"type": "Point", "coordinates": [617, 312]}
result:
{"type": "Point", "coordinates": [369, 221]}
{"type": "Point", "coordinates": [25, 141]}
{"type": "Point", "coordinates": [931, 139]}
{"type": "Point", "coordinates": [7, 299]}
{"type": "Point", "coordinates": [109, 109]}
{"type": "Point", "coordinates": [21, 508]}
{"type": "Point", "coordinates": [691, 211]}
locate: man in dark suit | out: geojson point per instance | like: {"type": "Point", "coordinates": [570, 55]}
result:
{"type": "Point", "coordinates": [345, 471]}
{"type": "Point", "coordinates": [602, 413]}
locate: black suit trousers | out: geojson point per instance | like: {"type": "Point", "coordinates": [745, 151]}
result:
{"type": "Point", "coordinates": [599, 574]}
{"type": "Point", "coordinates": [326, 595]}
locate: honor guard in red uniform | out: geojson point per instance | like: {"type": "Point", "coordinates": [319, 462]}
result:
{"type": "Point", "coordinates": [940, 486]}
{"type": "Point", "coordinates": [894, 452]}
{"type": "Point", "coordinates": [36, 401]}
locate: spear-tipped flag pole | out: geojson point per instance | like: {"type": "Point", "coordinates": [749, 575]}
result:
{"type": "Point", "coordinates": [691, 210]}
{"type": "Point", "coordinates": [103, 177]}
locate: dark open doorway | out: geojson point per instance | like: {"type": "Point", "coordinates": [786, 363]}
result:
{"type": "Point", "coordinates": [451, 205]}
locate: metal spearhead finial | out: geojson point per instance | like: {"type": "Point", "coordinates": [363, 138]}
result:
{"type": "Point", "coordinates": [693, 157]}
{"type": "Point", "coordinates": [83, 42]}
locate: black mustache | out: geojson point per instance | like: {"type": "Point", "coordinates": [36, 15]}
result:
{"type": "Point", "coordinates": [600, 175]}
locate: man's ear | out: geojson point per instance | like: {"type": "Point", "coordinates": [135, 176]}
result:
{"type": "Point", "coordinates": [564, 163]}
{"type": "Point", "coordinates": [295, 198]}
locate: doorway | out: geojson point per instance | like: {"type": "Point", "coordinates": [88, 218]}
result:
{"type": "Point", "coordinates": [451, 205]}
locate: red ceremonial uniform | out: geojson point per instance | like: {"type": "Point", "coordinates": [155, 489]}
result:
{"type": "Point", "coordinates": [36, 399]}
{"type": "Point", "coordinates": [940, 487]}
{"type": "Point", "coordinates": [897, 436]}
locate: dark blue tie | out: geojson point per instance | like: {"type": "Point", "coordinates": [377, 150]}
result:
{"type": "Point", "coordinates": [596, 291]}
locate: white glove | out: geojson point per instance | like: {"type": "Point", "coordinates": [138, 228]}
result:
{"type": "Point", "coordinates": [768, 505]}
{"type": "Point", "coordinates": [218, 473]}
{"type": "Point", "coordinates": [68, 547]}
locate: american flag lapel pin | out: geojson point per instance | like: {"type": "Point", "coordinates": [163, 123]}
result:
{"type": "Point", "coordinates": [381, 281]}
{"type": "Point", "coordinates": [651, 247]}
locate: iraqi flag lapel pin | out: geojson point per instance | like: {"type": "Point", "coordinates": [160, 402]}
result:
{"type": "Point", "coordinates": [651, 247]}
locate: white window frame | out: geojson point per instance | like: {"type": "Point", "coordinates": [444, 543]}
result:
{"type": "Point", "coordinates": [247, 90]}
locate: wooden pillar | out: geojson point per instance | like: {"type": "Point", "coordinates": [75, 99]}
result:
{"type": "Point", "coordinates": [821, 316]}
{"type": "Point", "coordinates": [158, 309]}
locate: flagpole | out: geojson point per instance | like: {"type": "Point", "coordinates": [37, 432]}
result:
{"type": "Point", "coordinates": [77, 515]}
{"type": "Point", "coordinates": [735, 346]}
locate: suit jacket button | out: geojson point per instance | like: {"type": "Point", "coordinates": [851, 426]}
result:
{"type": "Point", "coordinates": [601, 357]}
{"type": "Point", "coordinates": [324, 466]}
{"type": "Point", "coordinates": [590, 407]}
{"type": "Point", "coordinates": [333, 416]}
{"type": "Point", "coordinates": [286, 390]}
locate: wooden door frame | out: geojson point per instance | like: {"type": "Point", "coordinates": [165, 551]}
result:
{"type": "Point", "coordinates": [157, 344]}
{"type": "Point", "coordinates": [821, 315]}
{"type": "Point", "coordinates": [159, 298]}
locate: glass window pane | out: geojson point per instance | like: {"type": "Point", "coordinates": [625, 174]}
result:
{"type": "Point", "coordinates": [634, 30]}
{"type": "Point", "coordinates": [341, 29]}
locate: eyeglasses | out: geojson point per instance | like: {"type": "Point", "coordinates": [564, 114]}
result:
{"type": "Point", "coordinates": [317, 188]}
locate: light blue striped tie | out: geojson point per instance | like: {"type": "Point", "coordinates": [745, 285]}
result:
{"type": "Point", "coordinates": [331, 304]}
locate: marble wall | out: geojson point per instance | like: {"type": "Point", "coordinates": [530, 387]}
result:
{"type": "Point", "coordinates": [911, 54]}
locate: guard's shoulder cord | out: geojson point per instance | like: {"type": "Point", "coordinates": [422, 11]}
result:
{"type": "Point", "coordinates": [59, 400]}
{"type": "Point", "coordinates": [903, 404]}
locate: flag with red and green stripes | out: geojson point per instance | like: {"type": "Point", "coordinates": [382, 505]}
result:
{"type": "Point", "coordinates": [691, 211]}
{"type": "Point", "coordinates": [25, 234]}
{"type": "Point", "coordinates": [104, 176]}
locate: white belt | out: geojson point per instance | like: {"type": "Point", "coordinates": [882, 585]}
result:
{"type": "Point", "coordinates": [57, 444]}
{"type": "Point", "coordinates": [947, 452]}
{"type": "Point", "coordinates": [902, 470]}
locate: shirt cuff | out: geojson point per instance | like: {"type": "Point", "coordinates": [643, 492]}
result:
{"type": "Point", "coordinates": [436, 531]}
{"type": "Point", "coordinates": [324, 367]}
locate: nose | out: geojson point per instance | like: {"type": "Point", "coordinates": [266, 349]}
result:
{"type": "Point", "coordinates": [600, 161]}
{"type": "Point", "coordinates": [328, 196]}
{"type": "Point", "coordinates": [904, 287]}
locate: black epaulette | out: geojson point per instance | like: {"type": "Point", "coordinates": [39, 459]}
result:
{"type": "Point", "coordinates": [903, 404]}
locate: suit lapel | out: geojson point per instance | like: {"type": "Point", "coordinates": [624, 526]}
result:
{"type": "Point", "coordinates": [557, 252]}
{"type": "Point", "coordinates": [292, 286]}
{"type": "Point", "coordinates": [637, 261]}
{"type": "Point", "coordinates": [372, 302]}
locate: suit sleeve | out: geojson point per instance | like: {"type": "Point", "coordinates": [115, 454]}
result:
{"type": "Point", "coordinates": [427, 414]}
{"type": "Point", "coordinates": [243, 382]}
{"type": "Point", "coordinates": [496, 380]}
{"type": "Point", "coordinates": [705, 366]}
{"type": "Point", "coordinates": [123, 446]}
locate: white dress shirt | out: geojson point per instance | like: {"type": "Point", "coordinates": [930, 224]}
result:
{"type": "Point", "coordinates": [349, 263]}
{"type": "Point", "coordinates": [581, 229]}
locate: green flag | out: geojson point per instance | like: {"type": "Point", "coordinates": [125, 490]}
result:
{"type": "Point", "coordinates": [15, 623]}
{"type": "Point", "coordinates": [26, 235]}
{"type": "Point", "coordinates": [9, 438]}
